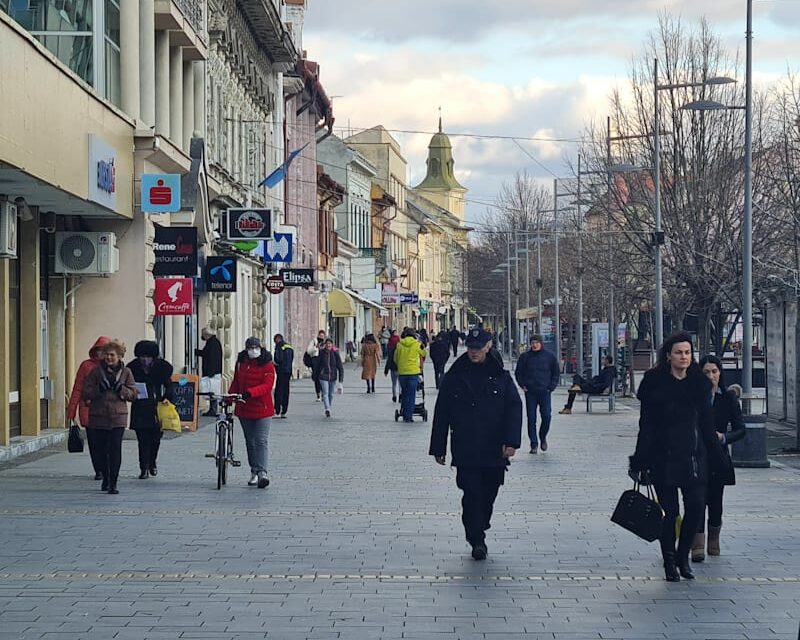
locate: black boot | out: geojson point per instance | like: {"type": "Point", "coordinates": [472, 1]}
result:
{"type": "Point", "coordinates": [670, 568]}
{"type": "Point", "coordinates": [104, 484]}
{"type": "Point", "coordinates": [684, 567]}
{"type": "Point", "coordinates": [153, 469]}
{"type": "Point", "coordinates": [143, 473]}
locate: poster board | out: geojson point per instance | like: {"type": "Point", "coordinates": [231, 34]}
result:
{"type": "Point", "coordinates": [186, 387]}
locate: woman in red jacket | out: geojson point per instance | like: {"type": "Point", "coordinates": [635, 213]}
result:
{"type": "Point", "coordinates": [254, 379]}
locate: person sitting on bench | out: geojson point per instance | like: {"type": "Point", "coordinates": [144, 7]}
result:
{"type": "Point", "coordinates": [595, 386]}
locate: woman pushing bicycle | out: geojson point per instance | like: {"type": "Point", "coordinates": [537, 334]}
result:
{"type": "Point", "coordinates": [254, 380]}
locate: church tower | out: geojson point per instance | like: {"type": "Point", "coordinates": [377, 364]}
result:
{"type": "Point", "coordinates": [440, 184]}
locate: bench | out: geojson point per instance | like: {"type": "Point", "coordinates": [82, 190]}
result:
{"type": "Point", "coordinates": [610, 398]}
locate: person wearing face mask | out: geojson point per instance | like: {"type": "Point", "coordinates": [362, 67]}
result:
{"type": "Point", "coordinates": [328, 371]}
{"type": "Point", "coordinates": [108, 389]}
{"type": "Point", "coordinates": [155, 374]}
{"type": "Point", "coordinates": [254, 379]}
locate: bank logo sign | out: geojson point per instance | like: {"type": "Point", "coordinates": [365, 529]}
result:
{"type": "Point", "coordinates": [161, 192]}
{"type": "Point", "coordinates": [175, 250]}
{"type": "Point", "coordinates": [249, 224]}
{"type": "Point", "coordinates": [279, 248]}
{"type": "Point", "coordinates": [219, 275]}
{"type": "Point", "coordinates": [297, 277]}
{"type": "Point", "coordinates": [102, 172]}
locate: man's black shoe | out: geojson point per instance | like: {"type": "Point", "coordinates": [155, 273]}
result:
{"type": "Point", "coordinates": [479, 551]}
{"type": "Point", "coordinates": [534, 450]}
{"type": "Point", "coordinates": [98, 476]}
{"type": "Point", "coordinates": [143, 475]}
{"type": "Point", "coordinates": [543, 444]}
{"type": "Point", "coordinates": [153, 470]}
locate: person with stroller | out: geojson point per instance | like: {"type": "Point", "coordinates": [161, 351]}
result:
{"type": "Point", "coordinates": [408, 357]}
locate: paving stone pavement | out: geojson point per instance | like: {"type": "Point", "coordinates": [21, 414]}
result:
{"type": "Point", "coordinates": [359, 536]}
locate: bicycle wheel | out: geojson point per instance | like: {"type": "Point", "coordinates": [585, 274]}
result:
{"type": "Point", "coordinates": [222, 453]}
{"type": "Point", "coordinates": [228, 452]}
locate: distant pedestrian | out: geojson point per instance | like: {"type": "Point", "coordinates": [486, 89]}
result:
{"type": "Point", "coordinates": [423, 337]}
{"type": "Point", "coordinates": [78, 407]}
{"type": "Point", "coordinates": [538, 374]}
{"type": "Point", "coordinates": [384, 335]}
{"type": "Point", "coordinates": [370, 361]}
{"type": "Point", "coordinates": [393, 339]}
{"type": "Point", "coordinates": [408, 357]}
{"type": "Point", "coordinates": [254, 379]}
{"type": "Point", "coordinates": [284, 361]}
{"type": "Point", "coordinates": [677, 446]}
{"type": "Point", "coordinates": [598, 384]}
{"type": "Point", "coordinates": [455, 336]}
{"type": "Point", "coordinates": [211, 354]}
{"type": "Point", "coordinates": [108, 389]}
{"type": "Point", "coordinates": [313, 350]}
{"type": "Point", "coordinates": [729, 427]}
{"type": "Point", "coordinates": [479, 406]}
{"type": "Point", "coordinates": [440, 353]}
{"type": "Point", "coordinates": [155, 374]}
{"type": "Point", "coordinates": [330, 373]}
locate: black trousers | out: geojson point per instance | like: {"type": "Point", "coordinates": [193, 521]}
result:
{"type": "Point", "coordinates": [94, 450]}
{"type": "Point", "coordinates": [714, 493]}
{"type": "Point", "coordinates": [282, 393]}
{"type": "Point", "coordinates": [480, 486]}
{"type": "Point", "coordinates": [455, 349]}
{"type": "Point", "coordinates": [317, 385]}
{"type": "Point", "coordinates": [438, 372]}
{"type": "Point", "coordinates": [109, 451]}
{"type": "Point", "coordinates": [694, 500]}
{"type": "Point", "coordinates": [149, 442]}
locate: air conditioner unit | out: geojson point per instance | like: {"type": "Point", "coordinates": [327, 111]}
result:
{"type": "Point", "coordinates": [86, 253]}
{"type": "Point", "coordinates": [8, 229]}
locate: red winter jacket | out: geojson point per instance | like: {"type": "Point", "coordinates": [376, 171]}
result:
{"type": "Point", "coordinates": [256, 376]}
{"type": "Point", "coordinates": [78, 406]}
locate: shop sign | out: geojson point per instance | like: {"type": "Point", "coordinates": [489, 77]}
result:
{"type": "Point", "coordinates": [102, 172]}
{"type": "Point", "coordinates": [219, 274]}
{"type": "Point", "coordinates": [175, 249]}
{"type": "Point", "coordinates": [249, 224]}
{"type": "Point", "coordinates": [274, 284]}
{"type": "Point", "coordinates": [298, 277]}
{"type": "Point", "coordinates": [279, 248]}
{"type": "Point", "coordinates": [409, 298]}
{"type": "Point", "coordinates": [161, 192]}
{"type": "Point", "coordinates": [173, 297]}
{"type": "Point", "coordinates": [389, 294]}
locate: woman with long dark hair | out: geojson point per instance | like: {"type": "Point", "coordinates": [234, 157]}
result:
{"type": "Point", "coordinates": [676, 446]}
{"type": "Point", "coordinates": [729, 427]}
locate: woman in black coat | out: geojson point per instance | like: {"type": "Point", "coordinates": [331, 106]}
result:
{"type": "Point", "coordinates": [676, 446]}
{"type": "Point", "coordinates": [729, 427]}
{"type": "Point", "coordinates": [156, 374]}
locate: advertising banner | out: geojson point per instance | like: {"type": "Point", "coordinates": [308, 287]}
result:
{"type": "Point", "coordinates": [161, 192]}
{"type": "Point", "coordinates": [175, 249]}
{"type": "Point", "coordinates": [249, 224]}
{"type": "Point", "coordinates": [219, 274]}
{"type": "Point", "coordinates": [173, 297]}
{"type": "Point", "coordinates": [279, 248]}
{"type": "Point", "coordinates": [297, 277]}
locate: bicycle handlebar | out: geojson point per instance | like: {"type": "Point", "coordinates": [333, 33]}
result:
{"type": "Point", "coordinates": [224, 397]}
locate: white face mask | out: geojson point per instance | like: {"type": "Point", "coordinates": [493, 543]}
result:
{"type": "Point", "coordinates": [254, 353]}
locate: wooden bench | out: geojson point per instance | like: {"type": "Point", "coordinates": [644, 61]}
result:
{"type": "Point", "coordinates": [607, 396]}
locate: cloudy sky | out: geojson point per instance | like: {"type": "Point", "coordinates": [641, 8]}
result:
{"type": "Point", "coordinates": [519, 68]}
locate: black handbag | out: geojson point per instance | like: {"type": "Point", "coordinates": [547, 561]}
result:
{"type": "Point", "coordinates": [74, 441]}
{"type": "Point", "coordinates": [639, 513]}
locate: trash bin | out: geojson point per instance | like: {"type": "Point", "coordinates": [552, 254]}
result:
{"type": "Point", "coordinates": [751, 451]}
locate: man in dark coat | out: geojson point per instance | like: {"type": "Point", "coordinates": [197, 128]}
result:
{"type": "Point", "coordinates": [598, 384]}
{"type": "Point", "coordinates": [211, 354]}
{"type": "Point", "coordinates": [479, 406]}
{"type": "Point", "coordinates": [440, 353]}
{"type": "Point", "coordinates": [284, 361]}
{"type": "Point", "coordinates": [455, 336]}
{"type": "Point", "coordinates": [538, 374]}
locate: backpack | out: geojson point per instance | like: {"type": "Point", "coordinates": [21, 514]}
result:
{"type": "Point", "coordinates": [307, 360]}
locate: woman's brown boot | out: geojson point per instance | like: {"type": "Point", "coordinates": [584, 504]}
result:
{"type": "Point", "coordinates": [713, 540]}
{"type": "Point", "coordinates": [699, 547]}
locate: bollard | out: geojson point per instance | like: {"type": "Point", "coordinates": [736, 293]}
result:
{"type": "Point", "coordinates": [751, 451]}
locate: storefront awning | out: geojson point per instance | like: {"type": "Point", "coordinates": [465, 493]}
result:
{"type": "Point", "coordinates": [365, 301]}
{"type": "Point", "coordinates": [341, 304]}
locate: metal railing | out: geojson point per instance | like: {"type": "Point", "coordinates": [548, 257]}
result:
{"type": "Point", "coordinates": [192, 10]}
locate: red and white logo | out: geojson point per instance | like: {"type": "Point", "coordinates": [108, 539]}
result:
{"type": "Point", "coordinates": [174, 297]}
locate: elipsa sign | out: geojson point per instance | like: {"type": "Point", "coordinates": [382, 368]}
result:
{"type": "Point", "coordinates": [173, 297]}
{"type": "Point", "coordinates": [249, 224]}
{"type": "Point", "coordinates": [102, 172]}
{"type": "Point", "coordinates": [297, 277]}
{"type": "Point", "coordinates": [175, 249]}
{"type": "Point", "coordinates": [219, 274]}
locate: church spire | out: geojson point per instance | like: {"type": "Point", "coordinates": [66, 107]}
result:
{"type": "Point", "coordinates": [440, 119]}
{"type": "Point", "coordinates": [440, 175]}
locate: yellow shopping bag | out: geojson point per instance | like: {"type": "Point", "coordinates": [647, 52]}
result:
{"type": "Point", "coordinates": [168, 417]}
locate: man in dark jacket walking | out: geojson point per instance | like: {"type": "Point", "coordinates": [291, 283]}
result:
{"type": "Point", "coordinates": [284, 361]}
{"type": "Point", "coordinates": [455, 336]}
{"type": "Point", "coordinates": [440, 353]}
{"type": "Point", "coordinates": [538, 373]}
{"type": "Point", "coordinates": [211, 354]}
{"type": "Point", "coordinates": [479, 406]}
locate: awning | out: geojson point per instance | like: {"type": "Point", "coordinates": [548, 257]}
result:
{"type": "Point", "coordinates": [341, 304]}
{"type": "Point", "coordinates": [365, 301]}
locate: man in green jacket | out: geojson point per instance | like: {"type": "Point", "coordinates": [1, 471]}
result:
{"type": "Point", "coordinates": [408, 357]}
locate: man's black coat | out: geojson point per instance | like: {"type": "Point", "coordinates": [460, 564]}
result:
{"type": "Point", "coordinates": [479, 406]}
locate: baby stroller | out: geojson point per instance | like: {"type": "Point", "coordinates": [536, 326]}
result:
{"type": "Point", "coordinates": [419, 407]}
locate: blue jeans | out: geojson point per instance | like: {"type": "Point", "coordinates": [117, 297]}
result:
{"type": "Point", "coordinates": [393, 376]}
{"type": "Point", "coordinates": [408, 395]}
{"type": "Point", "coordinates": [256, 436]}
{"type": "Point", "coordinates": [539, 399]}
{"type": "Point", "coordinates": [328, 387]}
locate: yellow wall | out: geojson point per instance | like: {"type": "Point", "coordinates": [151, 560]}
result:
{"type": "Point", "coordinates": [47, 116]}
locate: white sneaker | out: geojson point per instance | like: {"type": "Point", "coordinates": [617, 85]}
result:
{"type": "Point", "coordinates": [253, 480]}
{"type": "Point", "coordinates": [319, 399]}
{"type": "Point", "coordinates": [263, 481]}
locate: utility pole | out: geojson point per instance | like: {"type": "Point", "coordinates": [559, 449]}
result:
{"type": "Point", "coordinates": [612, 330]}
{"type": "Point", "coordinates": [580, 274]}
{"type": "Point", "coordinates": [557, 311]}
{"type": "Point", "coordinates": [658, 337]}
{"type": "Point", "coordinates": [539, 265]}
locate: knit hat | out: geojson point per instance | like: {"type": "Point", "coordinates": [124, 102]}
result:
{"type": "Point", "coordinates": [252, 343]}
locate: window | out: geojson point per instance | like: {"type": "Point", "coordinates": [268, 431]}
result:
{"type": "Point", "coordinates": [111, 47]}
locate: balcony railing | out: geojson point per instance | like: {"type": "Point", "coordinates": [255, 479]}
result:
{"type": "Point", "coordinates": [192, 10]}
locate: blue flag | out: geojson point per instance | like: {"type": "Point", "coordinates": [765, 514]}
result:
{"type": "Point", "coordinates": [279, 174]}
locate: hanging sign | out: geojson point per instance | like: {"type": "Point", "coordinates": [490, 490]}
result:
{"type": "Point", "coordinates": [161, 192]}
{"type": "Point", "coordinates": [175, 249]}
{"type": "Point", "coordinates": [173, 297]}
{"type": "Point", "coordinates": [274, 284]}
{"type": "Point", "coordinates": [279, 248]}
{"type": "Point", "coordinates": [409, 298]}
{"type": "Point", "coordinates": [298, 277]}
{"type": "Point", "coordinates": [249, 224]}
{"type": "Point", "coordinates": [219, 274]}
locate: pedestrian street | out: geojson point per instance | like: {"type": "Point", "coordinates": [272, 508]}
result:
{"type": "Point", "coordinates": [359, 536]}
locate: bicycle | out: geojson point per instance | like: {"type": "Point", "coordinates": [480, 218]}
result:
{"type": "Point", "coordinates": [223, 436]}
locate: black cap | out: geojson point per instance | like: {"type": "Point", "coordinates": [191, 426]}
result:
{"type": "Point", "coordinates": [477, 339]}
{"type": "Point", "coordinates": [537, 337]}
{"type": "Point", "coordinates": [146, 349]}
{"type": "Point", "coordinates": [252, 343]}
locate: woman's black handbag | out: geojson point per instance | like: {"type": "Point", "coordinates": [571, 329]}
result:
{"type": "Point", "coordinates": [639, 513]}
{"type": "Point", "coordinates": [74, 441]}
